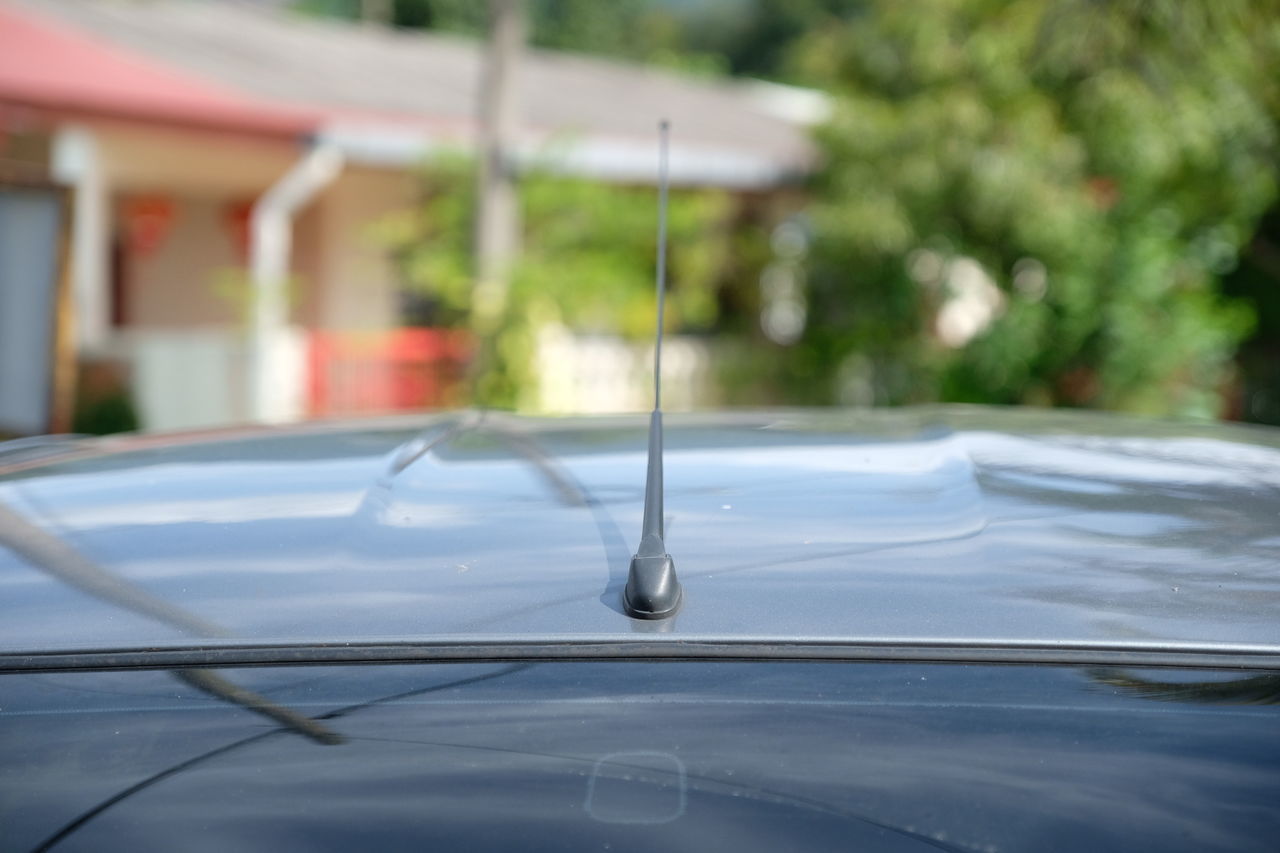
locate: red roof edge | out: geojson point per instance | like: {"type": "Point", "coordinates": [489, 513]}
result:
{"type": "Point", "coordinates": [47, 66]}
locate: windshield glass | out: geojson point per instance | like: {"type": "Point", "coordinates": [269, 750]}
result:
{"type": "Point", "coordinates": [630, 755]}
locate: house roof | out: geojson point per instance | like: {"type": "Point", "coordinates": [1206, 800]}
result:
{"type": "Point", "coordinates": [52, 68]}
{"type": "Point", "coordinates": [389, 90]}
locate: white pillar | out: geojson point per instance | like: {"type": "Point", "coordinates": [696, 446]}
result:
{"type": "Point", "coordinates": [77, 162]}
{"type": "Point", "coordinates": [274, 377]}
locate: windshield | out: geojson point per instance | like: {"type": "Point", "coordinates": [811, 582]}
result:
{"type": "Point", "coordinates": [632, 755]}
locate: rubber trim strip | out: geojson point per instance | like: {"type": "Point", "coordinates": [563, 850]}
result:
{"type": "Point", "coordinates": [692, 650]}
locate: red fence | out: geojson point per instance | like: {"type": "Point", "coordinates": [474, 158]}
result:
{"type": "Point", "coordinates": [361, 373]}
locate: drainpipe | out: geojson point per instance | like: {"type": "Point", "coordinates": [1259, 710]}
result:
{"type": "Point", "coordinates": [271, 236]}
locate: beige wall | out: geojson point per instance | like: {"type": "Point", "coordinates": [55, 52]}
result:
{"type": "Point", "coordinates": [358, 286]}
{"type": "Point", "coordinates": [189, 279]}
{"type": "Point", "coordinates": [148, 159]}
{"type": "Point", "coordinates": [177, 284]}
{"type": "Point", "coordinates": [343, 277]}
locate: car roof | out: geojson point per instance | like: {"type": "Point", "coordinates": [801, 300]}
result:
{"type": "Point", "coordinates": [948, 526]}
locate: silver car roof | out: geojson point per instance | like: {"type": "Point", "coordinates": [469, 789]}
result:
{"type": "Point", "coordinates": [940, 528]}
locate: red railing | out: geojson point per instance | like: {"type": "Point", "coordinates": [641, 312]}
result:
{"type": "Point", "coordinates": [362, 373]}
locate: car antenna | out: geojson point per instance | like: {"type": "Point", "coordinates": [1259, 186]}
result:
{"type": "Point", "coordinates": [652, 590]}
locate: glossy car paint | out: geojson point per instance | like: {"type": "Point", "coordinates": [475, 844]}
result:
{"type": "Point", "coordinates": [958, 526]}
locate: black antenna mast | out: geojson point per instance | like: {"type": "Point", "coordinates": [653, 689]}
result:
{"type": "Point", "coordinates": [652, 590]}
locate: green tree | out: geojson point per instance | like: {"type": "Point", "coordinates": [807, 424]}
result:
{"type": "Point", "coordinates": [1081, 173]}
{"type": "Point", "coordinates": [752, 37]}
{"type": "Point", "coordinates": [587, 262]}
{"type": "Point", "coordinates": [637, 30]}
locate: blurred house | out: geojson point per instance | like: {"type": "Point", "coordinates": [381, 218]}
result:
{"type": "Point", "coordinates": [208, 145]}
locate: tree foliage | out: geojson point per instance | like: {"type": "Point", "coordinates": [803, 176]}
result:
{"type": "Point", "coordinates": [587, 262]}
{"type": "Point", "coordinates": [637, 30]}
{"type": "Point", "coordinates": [752, 37]}
{"type": "Point", "coordinates": [1094, 166]}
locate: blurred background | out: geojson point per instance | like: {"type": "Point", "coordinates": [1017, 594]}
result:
{"type": "Point", "coordinates": [224, 211]}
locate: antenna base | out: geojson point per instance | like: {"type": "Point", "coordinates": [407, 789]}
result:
{"type": "Point", "coordinates": [652, 590]}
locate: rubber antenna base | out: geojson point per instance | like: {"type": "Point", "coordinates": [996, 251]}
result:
{"type": "Point", "coordinates": [652, 590]}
